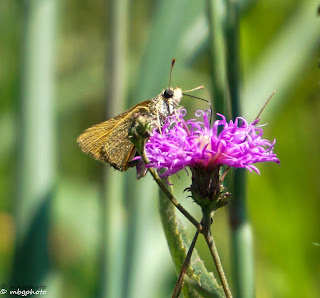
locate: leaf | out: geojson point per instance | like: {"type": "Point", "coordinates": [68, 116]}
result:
{"type": "Point", "coordinates": [179, 242]}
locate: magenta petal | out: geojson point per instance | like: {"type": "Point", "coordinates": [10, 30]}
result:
{"type": "Point", "coordinates": [190, 143]}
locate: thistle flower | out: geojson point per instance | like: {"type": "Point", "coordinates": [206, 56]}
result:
{"type": "Point", "coordinates": [204, 149]}
{"type": "Point", "coordinates": [193, 143]}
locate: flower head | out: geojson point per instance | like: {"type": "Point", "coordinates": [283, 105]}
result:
{"type": "Point", "coordinates": [195, 144]}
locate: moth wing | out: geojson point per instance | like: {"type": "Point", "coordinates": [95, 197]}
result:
{"type": "Point", "coordinates": [93, 140]}
{"type": "Point", "coordinates": [119, 150]}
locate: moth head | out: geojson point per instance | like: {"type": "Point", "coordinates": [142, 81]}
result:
{"type": "Point", "coordinates": [174, 94]}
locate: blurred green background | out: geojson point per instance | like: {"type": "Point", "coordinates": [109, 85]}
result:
{"type": "Point", "coordinates": [84, 230]}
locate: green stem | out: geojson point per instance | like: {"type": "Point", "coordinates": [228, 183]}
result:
{"type": "Point", "coordinates": [184, 268]}
{"type": "Point", "coordinates": [240, 228]}
{"type": "Point", "coordinates": [216, 20]}
{"type": "Point", "coordinates": [198, 281]}
{"type": "Point", "coordinates": [232, 52]}
{"type": "Point", "coordinates": [36, 150]}
{"type": "Point", "coordinates": [207, 217]}
{"type": "Point", "coordinates": [168, 193]}
{"type": "Point", "coordinates": [173, 200]}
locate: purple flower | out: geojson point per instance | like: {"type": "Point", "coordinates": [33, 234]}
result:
{"type": "Point", "coordinates": [194, 144]}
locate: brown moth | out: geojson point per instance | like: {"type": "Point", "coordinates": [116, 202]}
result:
{"type": "Point", "coordinates": [109, 141]}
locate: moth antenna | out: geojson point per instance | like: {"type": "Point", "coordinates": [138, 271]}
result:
{"type": "Point", "coordinates": [265, 104]}
{"type": "Point", "coordinates": [197, 88]}
{"type": "Point", "coordinates": [172, 64]}
{"type": "Point", "coordinates": [207, 101]}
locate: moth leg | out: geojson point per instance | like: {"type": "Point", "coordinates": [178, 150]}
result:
{"type": "Point", "coordinates": [158, 122]}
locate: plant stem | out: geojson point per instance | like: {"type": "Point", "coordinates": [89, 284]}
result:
{"type": "Point", "coordinates": [240, 227]}
{"type": "Point", "coordinates": [174, 200]}
{"type": "Point", "coordinates": [168, 193]}
{"type": "Point", "coordinates": [207, 216]}
{"type": "Point", "coordinates": [216, 19]}
{"type": "Point", "coordinates": [178, 286]}
{"type": "Point", "coordinates": [36, 145]}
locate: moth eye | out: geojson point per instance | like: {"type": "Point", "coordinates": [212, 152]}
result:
{"type": "Point", "coordinates": [168, 93]}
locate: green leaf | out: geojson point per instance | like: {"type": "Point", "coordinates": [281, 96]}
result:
{"type": "Point", "coordinates": [179, 242]}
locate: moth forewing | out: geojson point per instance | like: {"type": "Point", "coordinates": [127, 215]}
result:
{"type": "Point", "coordinates": [91, 141]}
{"type": "Point", "coordinates": [101, 139]}
{"type": "Point", "coordinates": [118, 149]}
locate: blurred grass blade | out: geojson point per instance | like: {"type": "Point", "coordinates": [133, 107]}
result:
{"type": "Point", "coordinates": [164, 44]}
{"type": "Point", "coordinates": [195, 40]}
{"type": "Point", "coordinates": [242, 252]}
{"type": "Point", "coordinates": [36, 183]}
{"type": "Point", "coordinates": [216, 18]}
{"type": "Point", "coordinates": [114, 231]}
{"type": "Point", "coordinates": [283, 62]}
{"type": "Point", "coordinates": [232, 53]}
